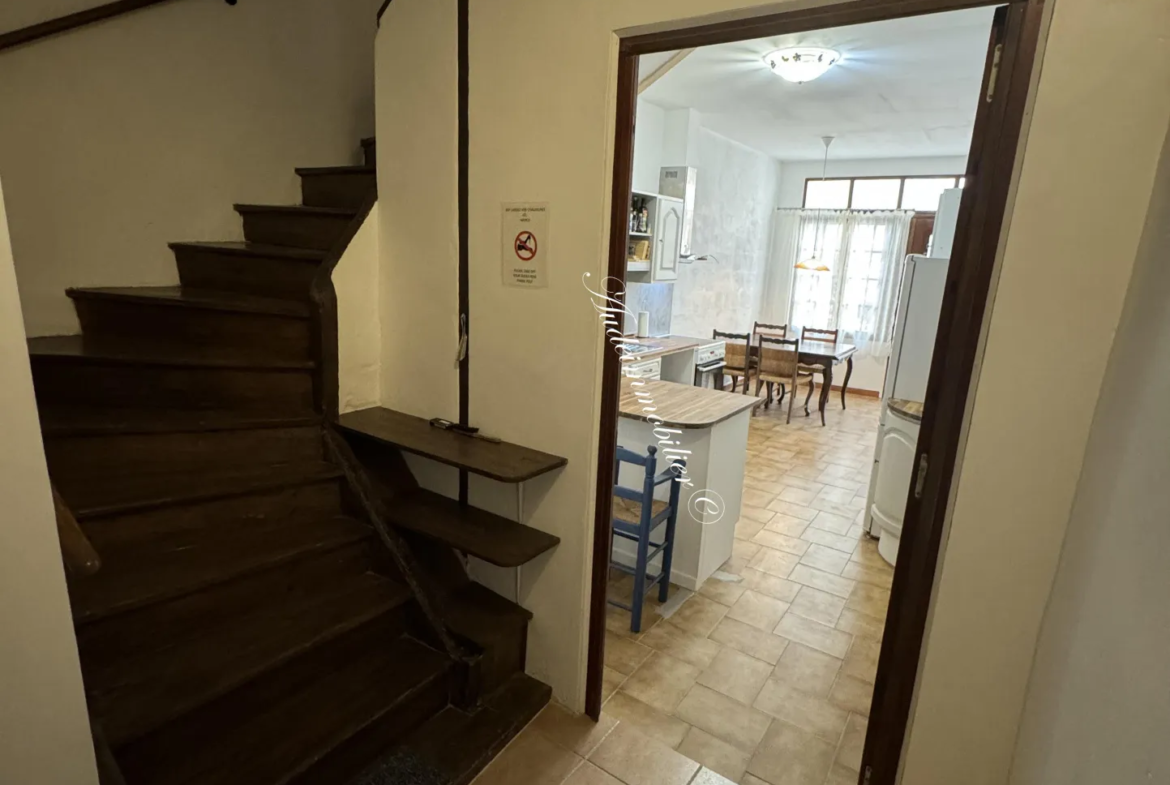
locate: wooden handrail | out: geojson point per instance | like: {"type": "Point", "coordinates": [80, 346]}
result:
{"type": "Point", "coordinates": [63, 24]}
{"type": "Point", "coordinates": [76, 550]}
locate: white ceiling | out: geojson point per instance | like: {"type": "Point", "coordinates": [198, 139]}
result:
{"type": "Point", "coordinates": [904, 88]}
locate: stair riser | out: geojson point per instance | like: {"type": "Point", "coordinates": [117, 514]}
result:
{"type": "Point", "coordinates": [198, 332]}
{"type": "Point", "coordinates": [264, 276]}
{"type": "Point", "coordinates": [348, 190]}
{"type": "Point", "coordinates": [318, 232]}
{"type": "Point", "coordinates": [84, 383]}
{"type": "Point", "coordinates": [94, 456]}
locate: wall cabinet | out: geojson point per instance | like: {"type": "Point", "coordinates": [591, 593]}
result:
{"type": "Point", "coordinates": [654, 244]}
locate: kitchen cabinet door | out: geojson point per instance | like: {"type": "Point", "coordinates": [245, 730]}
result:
{"type": "Point", "coordinates": [668, 228]}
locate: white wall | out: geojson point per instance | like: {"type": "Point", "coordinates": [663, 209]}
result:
{"type": "Point", "coordinates": [120, 137]}
{"type": "Point", "coordinates": [1098, 707]}
{"type": "Point", "coordinates": [797, 172]}
{"type": "Point", "coordinates": [735, 198]}
{"type": "Point", "coordinates": [536, 354]}
{"type": "Point", "coordinates": [359, 324]}
{"type": "Point", "coordinates": [44, 727]}
{"type": "Point", "coordinates": [648, 132]}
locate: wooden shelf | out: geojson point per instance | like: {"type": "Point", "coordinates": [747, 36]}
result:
{"type": "Point", "coordinates": [482, 534]}
{"type": "Point", "coordinates": [501, 461]}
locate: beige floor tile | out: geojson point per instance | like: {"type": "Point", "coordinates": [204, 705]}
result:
{"type": "Point", "coordinates": [809, 469]}
{"type": "Point", "coordinates": [649, 720]}
{"type": "Point", "coordinates": [723, 717]}
{"type": "Point", "coordinates": [723, 592]}
{"type": "Point", "coordinates": [588, 774]}
{"type": "Point", "coordinates": [835, 524]}
{"type": "Point", "coordinates": [870, 600]}
{"type": "Point", "coordinates": [797, 496]}
{"type": "Point", "coordinates": [793, 480]}
{"type": "Point", "coordinates": [771, 585]}
{"type": "Point", "coordinates": [793, 510]}
{"type": "Point", "coordinates": [572, 731]}
{"type": "Point", "coordinates": [825, 581]}
{"type": "Point", "coordinates": [744, 550]}
{"type": "Point", "coordinates": [852, 695]}
{"type": "Point", "coordinates": [617, 621]}
{"type": "Point", "coordinates": [807, 669]}
{"type": "Point", "coordinates": [881, 578]}
{"type": "Point", "coordinates": [852, 745]}
{"type": "Point", "coordinates": [747, 639]}
{"type": "Point", "coordinates": [858, 624]}
{"type": "Point", "coordinates": [610, 681]}
{"type": "Point", "coordinates": [682, 645]}
{"type": "Point", "coordinates": [862, 660]}
{"type": "Point", "coordinates": [839, 775]}
{"type": "Point", "coordinates": [746, 528]}
{"type": "Point", "coordinates": [758, 610]}
{"type": "Point", "coordinates": [867, 555]}
{"type": "Point", "coordinates": [774, 562]}
{"type": "Point", "coordinates": [815, 714]}
{"type": "Point", "coordinates": [661, 682]}
{"type": "Point", "coordinates": [623, 654]}
{"type": "Point", "coordinates": [846, 509]}
{"type": "Point", "coordinates": [736, 675]}
{"type": "Point", "coordinates": [771, 487]}
{"type": "Point", "coordinates": [532, 759]}
{"type": "Point", "coordinates": [708, 777]}
{"type": "Point", "coordinates": [790, 755]}
{"type": "Point", "coordinates": [833, 494]}
{"type": "Point", "coordinates": [751, 779]}
{"type": "Point", "coordinates": [781, 542]}
{"type": "Point", "coordinates": [837, 542]}
{"type": "Point", "coordinates": [823, 558]}
{"type": "Point", "coordinates": [760, 514]}
{"type": "Point", "coordinates": [818, 605]}
{"type": "Point", "coordinates": [699, 615]}
{"type": "Point", "coordinates": [636, 759]}
{"type": "Point", "coordinates": [757, 498]}
{"type": "Point", "coordinates": [813, 634]}
{"type": "Point", "coordinates": [787, 525]}
{"type": "Point", "coordinates": [715, 754]}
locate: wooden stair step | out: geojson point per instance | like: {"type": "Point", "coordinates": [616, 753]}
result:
{"type": "Point", "coordinates": [480, 533]}
{"type": "Point", "coordinates": [277, 271]}
{"type": "Point", "coordinates": [149, 666]}
{"type": "Point", "coordinates": [76, 349]}
{"type": "Point", "coordinates": [500, 461]}
{"type": "Point", "coordinates": [130, 493]}
{"type": "Point", "coordinates": [296, 225]}
{"type": "Point", "coordinates": [304, 723]}
{"type": "Point", "coordinates": [106, 421]}
{"type": "Point", "coordinates": [370, 151]}
{"type": "Point", "coordinates": [497, 626]}
{"type": "Point", "coordinates": [186, 297]}
{"type": "Point", "coordinates": [337, 186]}
{"type": "Point", "coordinates": [184, 558]}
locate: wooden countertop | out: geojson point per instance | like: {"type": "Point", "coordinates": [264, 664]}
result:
{"type": "Point", "coordinates": [667, 344]}
{"type": "Point", "coordinates": [911, 410]}
{"type": "Point", "coordinates": [682, 405]}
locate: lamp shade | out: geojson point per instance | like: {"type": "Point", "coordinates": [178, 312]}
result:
{"type": "Point", "coordinates": [802, 63]}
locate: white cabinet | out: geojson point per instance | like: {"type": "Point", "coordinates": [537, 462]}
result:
{"type": "Point", "coordinates": [653, 250]}
{"type": "Point", "coordinates": [669, 223]}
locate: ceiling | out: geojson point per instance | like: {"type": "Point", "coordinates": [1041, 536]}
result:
{"type": "Point", "coordinates": [904, 88]}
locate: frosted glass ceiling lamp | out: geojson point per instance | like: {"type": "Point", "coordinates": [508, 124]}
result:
{"type": "Point", "coordinates": [802, 63]}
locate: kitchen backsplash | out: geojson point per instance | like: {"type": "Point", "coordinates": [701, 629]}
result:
{"type": "Point", "coordinates": [657, 298]}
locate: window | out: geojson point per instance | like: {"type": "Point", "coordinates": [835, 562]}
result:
{"type": "Point", "coordinates": [920, 194]}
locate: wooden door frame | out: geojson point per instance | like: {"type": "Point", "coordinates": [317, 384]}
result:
{"type": "Point", "coordinates": [981, 217]}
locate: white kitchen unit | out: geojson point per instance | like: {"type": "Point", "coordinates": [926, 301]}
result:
{"type": "Point", "coordinates": [657, 260]}
{"type": "Point", "coordinates": [645, 369]}
{"type": "Point", "coordinates": [890, 485]}
{"type": "Point", "coordinates": [946, 220]}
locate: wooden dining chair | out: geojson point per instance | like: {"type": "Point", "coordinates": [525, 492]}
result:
{"type": "Point", "coordinates": [772, 331]}
{"type": "Point", "coordinates": [780, 364]}
{"type": "Point", "coordinates": [737, 356]}
{"type": "Point", "coordinates": [824, 336]}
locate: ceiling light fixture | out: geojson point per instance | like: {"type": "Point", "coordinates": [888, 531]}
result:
{"type": "Point", "coordinates": [802, 63]}
{"type": "Point", "coordinates": [814, 263]}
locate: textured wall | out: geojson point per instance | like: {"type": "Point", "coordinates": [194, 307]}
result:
{"type": "Point", "coordinates": [359, 323]}
{"type": "Point", "coordinates": [734, 200]}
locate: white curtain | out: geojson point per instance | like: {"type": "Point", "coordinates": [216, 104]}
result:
{"type": "Point", "coordinates": [774, 294]}
{"type": "Point", "coordinates": [864, 253]}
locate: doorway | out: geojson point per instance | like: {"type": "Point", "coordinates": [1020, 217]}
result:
{"type": "Point", "coordinates": [1006, 74]}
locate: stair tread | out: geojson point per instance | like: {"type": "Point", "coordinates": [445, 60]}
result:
{"type": "Point", "coordinates": [111, 495]}
{"type": "Point", "coordinates": [184, 297]}
{"type": "Point", "coordinates": [58, 420]}
{"type": "Point", "coordinates": [321, 170]}
{"type": "Point", "coordinates": [480, 533]}
{"type": "Point", "coordinates": [186, 560]}
{"type": "Point", "coordinates": [502, 461]}
{"type": "Point", "coordinates": [277, 739]}
{"type": "Point", "coordinates": [296, 209]}
{"type": "Point", "coordinates": [147, 667]}
{"type": "Point", "coordinates": [257, 249]}
{"type": "Point", "coordinates": [75, 347]}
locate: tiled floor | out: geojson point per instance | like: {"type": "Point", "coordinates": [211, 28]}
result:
{"type": "Point", "coordinates": [762, 681]}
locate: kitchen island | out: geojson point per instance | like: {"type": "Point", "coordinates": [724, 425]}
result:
{"type": "Point", "coordinates": [712, 427]}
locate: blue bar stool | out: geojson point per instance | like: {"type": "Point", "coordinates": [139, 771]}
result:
{"type": "Point", "coordinates": [636, 513]}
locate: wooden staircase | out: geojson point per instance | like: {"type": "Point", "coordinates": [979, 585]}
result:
{"type": "Point", "coordinates": [259, 615]}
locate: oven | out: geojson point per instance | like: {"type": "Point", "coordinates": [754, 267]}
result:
{"type": "Point", "coordinates": [709, 362]}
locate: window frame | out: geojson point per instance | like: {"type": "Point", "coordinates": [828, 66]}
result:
{"type": "Point", "coordinates": [901, 186]}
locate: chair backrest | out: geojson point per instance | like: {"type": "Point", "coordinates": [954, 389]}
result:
{"type": "Point", "coordinates": [649, 462]}
{"type": "Point", "coordinates": [736, 349]}
{"type": "Point", "coordinates": [773, 330]}
{"type": "Point", "coordinates": [817, 334]}
{"type": "Point", "coordinates": [779, 356]}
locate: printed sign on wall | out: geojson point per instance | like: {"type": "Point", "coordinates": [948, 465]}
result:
{"type": "Point", "coordinates": [524, 244]}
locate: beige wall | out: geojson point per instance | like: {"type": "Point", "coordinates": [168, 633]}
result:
{"type": "Point", "coordinates": [541, 120]}
{"type": "Point", "coordinates": [44, 729]}
{"type": "Point", "coordinates": [359, 324]}
{"type": "Point", "coordinates": [120, 137]}
{"type": "Point", "coordinates": [1098, 707]}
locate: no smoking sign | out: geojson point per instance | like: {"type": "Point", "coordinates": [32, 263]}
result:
{"type": "Point", "coordinates": [524, 244]}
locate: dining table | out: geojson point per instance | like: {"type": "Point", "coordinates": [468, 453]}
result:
{"type": "Point", "coordinates": [827, 355]}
